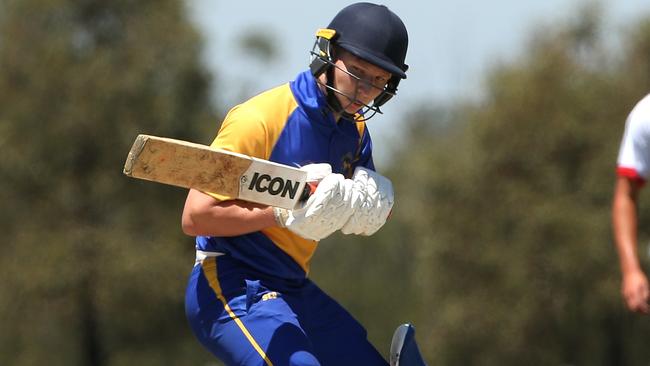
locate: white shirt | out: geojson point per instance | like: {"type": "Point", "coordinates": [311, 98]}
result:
{"type": "Point", "coordinates": [634, 154]}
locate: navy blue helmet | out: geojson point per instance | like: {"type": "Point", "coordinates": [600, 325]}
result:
{"type": "Point", "coordinates": [371, 32]}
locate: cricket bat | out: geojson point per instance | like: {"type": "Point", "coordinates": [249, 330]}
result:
{"type": "Point", "coordinates": [238, 176]}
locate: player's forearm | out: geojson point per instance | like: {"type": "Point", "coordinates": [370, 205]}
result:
{"type": "Point", "coordinates": [627, 252]}
{"type": "Point", "coordinates": [203, 215]}
{"type": "Point", "coordinates": [624, 218]}
{"type": "Point", "coordinates": [231, 220]}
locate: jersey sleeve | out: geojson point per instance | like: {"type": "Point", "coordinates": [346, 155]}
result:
{"type": "Point", "coordinates": [634, 154]}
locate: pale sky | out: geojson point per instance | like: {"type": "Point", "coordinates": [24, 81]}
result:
{"type": "Point", "coordinates": [452, 44]}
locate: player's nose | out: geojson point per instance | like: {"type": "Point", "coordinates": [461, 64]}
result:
{"type": "Point", "coordinates": [364, 88]}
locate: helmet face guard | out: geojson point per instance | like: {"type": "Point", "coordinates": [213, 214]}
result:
{"type": "Point", "coordinates": [323, 60]}
{"type": "Point", "coordinates": [371, 32]}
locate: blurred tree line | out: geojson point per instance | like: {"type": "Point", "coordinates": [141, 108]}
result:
{"type": "Point", "coordinates": [499, 248]}
{"type": "Point", "coordinates": [94, 264]}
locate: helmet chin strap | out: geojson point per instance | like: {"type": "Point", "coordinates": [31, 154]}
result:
{"type": "Point", "coordinates": [332, 101]}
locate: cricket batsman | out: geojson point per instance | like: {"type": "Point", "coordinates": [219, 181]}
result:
{"type": "Point", "coordinates": [249, 300]}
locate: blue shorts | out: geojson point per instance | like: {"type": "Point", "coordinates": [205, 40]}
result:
{"type": "Point", "coordinates": [247, 318]}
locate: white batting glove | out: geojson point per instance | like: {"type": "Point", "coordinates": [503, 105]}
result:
{"type": "Point", "coordinates": [326, 210]}
{"type": "Point", "coordinates": [316, 172]}
{"type": "Point", "coordinates": [372, 203]}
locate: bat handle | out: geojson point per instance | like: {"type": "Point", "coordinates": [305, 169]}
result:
{"type": "Point", "coordinates": [309, 189]}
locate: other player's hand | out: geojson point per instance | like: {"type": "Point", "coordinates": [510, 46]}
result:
{"type": "Point", "coordinates": [372, 201]}
{"type": "Point", "coordinates": [326, 210]}
{"type": "Point", "coordinates": [636, 292]}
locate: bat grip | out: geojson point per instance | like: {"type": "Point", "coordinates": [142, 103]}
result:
{"type": "Point", "coordinates": [310, 188]}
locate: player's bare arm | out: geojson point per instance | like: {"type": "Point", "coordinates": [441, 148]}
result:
{"type": "Point", "coordinates": [634, 285]}
{"type": "Point", "coordinates": [205, 215]}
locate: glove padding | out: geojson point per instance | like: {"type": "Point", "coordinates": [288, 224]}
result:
{"type": "Point", "coordinates": [326, 210]}
{"type": "Point", "coordinates": [372, 201]}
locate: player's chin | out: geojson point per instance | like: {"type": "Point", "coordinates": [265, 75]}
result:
{"type": "Point", "coordinates": [354, 107]}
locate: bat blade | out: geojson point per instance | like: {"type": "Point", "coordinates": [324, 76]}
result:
{"type": "Point", "coordinates": [190, 165]}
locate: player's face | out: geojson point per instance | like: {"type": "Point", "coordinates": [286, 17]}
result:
{"type": "Point", "coordinates": [359, 81]}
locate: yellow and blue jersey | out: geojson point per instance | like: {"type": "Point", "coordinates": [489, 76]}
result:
{"type": "Point", "coordinates": [290, 124]}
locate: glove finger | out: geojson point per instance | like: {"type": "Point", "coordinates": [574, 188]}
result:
{"type": "Point", "coordinates": [360, 175]}
{"type": "Point", "coordinates": [359, 219]}
{"type": "Point", "coordinates": [376, 221]}
{"type": "Point", "coordinates": [317, 172]}
{"type": "Point", "coordinates": [359, 195]}
{"type": "Point", "coordinates": [327, 190]}
{"type": "Point", "coordinates": [352, 226]}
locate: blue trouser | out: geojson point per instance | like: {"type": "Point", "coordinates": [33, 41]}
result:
{"type": "Point", "coordinates": [246, 318]}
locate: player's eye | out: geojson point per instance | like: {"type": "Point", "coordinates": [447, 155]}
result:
{"type": "Point", "coordinates": [356, 71]}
